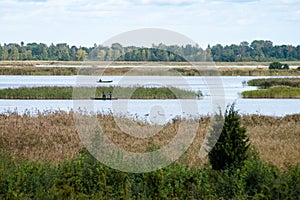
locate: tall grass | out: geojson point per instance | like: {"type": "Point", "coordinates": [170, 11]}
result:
{"type": "Point", "coordinates": [164, 69]}
{"type": "Point", "coordinates": [269, 82]}
{"type": "Point", "coordinates": [53, 137]}
{"type": "Point", "coordinates": [38, 71]}
{"type": "Point", "coordinates": [27, 144]}
{"type": "Point", "coordinates": [231, 71]}
{"type": "Point", "coordinates": [283, 92]}
{"type": "Point", "coordinates": [274, 88]}
{"type": "Point", "coordinates": [89, 92]}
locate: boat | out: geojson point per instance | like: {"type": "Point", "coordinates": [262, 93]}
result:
{"type": "Point", "coordinates": [101, 98]}
{"type": "Point", "coordinates": [100, 81]}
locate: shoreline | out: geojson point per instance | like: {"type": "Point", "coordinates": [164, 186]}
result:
{"type": "Point", "coordinates": [126, 63]}
{"type": "Point", "coordinates": [145, 71]}
{"type": "Point", "coordinates": [283, 88]}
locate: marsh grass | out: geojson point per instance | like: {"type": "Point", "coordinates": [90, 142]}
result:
{"type": "Point", "coordinates": [161, 69]}
{"type": "Point", "coordinates": [52, 137]}
{"type": "Point", "coordinates": [274, 88]}
{"type": "Point", "coordinates": [269, 82]}
{"type": "Point", "coordinates": [279, 92]}
{"type": "Point", "coordinates": [31, 70]}
{"type": "Point", "coordinates": [231, 71]}
{"type": "Point", "coordinates": [89, 92]}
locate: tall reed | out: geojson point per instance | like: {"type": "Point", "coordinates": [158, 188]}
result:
{"type": "Point", "coordinates": [53, 136]}
{"type": "Point", "coordinates": [89, 92]}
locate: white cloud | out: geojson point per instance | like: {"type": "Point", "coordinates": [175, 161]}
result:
{"type": "Point", "coordinates": [81, 21]}
{"type": "Point", "coordinates": [168, 2]}
{"type": "Point", "coordinates": [245, 21]}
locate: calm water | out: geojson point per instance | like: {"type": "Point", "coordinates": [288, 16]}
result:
{"type": "Point", "coordinates": [218, 92]}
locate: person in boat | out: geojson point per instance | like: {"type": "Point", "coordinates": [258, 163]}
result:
{"type": "Point", "coordinates": [100, 80]}
{"type": "Point", "coordinates": [110, 95]}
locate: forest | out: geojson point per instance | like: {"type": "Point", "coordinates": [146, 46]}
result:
{"type": "Point", "coordinates": [258, 50]}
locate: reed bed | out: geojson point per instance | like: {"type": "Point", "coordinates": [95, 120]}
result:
{"type": "Point", "coordinates": [279, 92]}
{"type": "Point", "coordinates": [269, 82]}
{"type": "Point", "coordinates": [53, 137]}
{"type": "Point", "coordinates": [163, 69]}
{"type": "Point", "coordinates": [90, 92]}
{"type": "Point", "coordinates": [231, 71]}
{"type": "Point", "coordinates": [274, 88]}
{"type": "Point", "coordinates": [32, 70]}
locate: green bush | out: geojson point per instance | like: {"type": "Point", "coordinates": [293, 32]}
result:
{"type": "Point", "coordinates": [86, 178]}
{"type": "Point", "coordinates": [278, 65]}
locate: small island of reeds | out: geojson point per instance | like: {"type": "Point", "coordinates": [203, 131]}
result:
{"type": "Point", "coordinates": [274, 88]}
{"type": "Point", "coordinates": [96, 92]}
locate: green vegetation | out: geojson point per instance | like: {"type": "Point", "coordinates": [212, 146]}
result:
{"type": "Point", "coordinates": [274, 88]}
{"type": "Point", "coordinates": [89, 92]}
{"type": "Point", "coordinates": [86, 178]}
{"type": "Point", "coordinates": [102, 68]}
{"type": "Point", "coordinates": [83, 177]}
{"type": "Point", "coordinates": [258, 50]}
{"type": "Point", "coordinates": [269, 82]}
{"type": "Point", "coordinates": [231, 148]}
{"type": "Point", "coordinates": [55, 71]}
{"type": "Point", "coordinates": [235, 72]}
{"type": "Point", "coordinates": [278, 65]}
{"type": "Point", "coordinates": [274, 92]}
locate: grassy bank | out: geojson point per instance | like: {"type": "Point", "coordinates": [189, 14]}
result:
{"type": "Point", "coordinates": [278, 92]}
{"type": "Point", "coordinates": [31, 70]}
{"type": "Point", "coordinates": [185, 70]}
{"type": "Point", "coordinates": [32, 147]}
{"type": "Point", "coordinates": [231, 71]}
{"type": "Point", "coordinates": [269, 82]}
{"type": "Point", "coordinates": [274, 88]}
{"type": "Point", "coordinates": [86, 92]}
{"type": "Point", "coordinates": [105, 63]}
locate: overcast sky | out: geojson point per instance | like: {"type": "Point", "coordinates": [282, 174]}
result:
{"type": "Point", "coordinates": [85, 22]}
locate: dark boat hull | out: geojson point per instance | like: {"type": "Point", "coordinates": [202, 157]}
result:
{"type": "Point", "coordinates": [104, 81]}
{"type": "Point", "coordinates": [100, 98]}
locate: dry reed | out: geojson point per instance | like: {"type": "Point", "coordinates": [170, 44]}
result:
{"type": "Point", "coordinates": [53, 137]}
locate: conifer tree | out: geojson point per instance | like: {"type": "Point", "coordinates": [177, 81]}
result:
{"type": "Point", "coordinates": [231, 147]}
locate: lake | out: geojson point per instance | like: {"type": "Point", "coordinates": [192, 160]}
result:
{"type": "Point", "coordinates": [218, 92]}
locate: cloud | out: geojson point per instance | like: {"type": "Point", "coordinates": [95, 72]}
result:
{"type": "Point", "coordinates": [237, 1]}
{"type": "Point", "coordinates": [245, 21]}
{"type": "Point", "coordinates": [93, 21]}
{"type": "Point", "coordinates": [32, 0]}
{"type": "Point", "coordinates": [169, 3]}
{"type": "Point", "coordinates": [288, 1]}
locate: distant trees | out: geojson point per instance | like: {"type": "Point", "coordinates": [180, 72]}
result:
{"type": "Point", "coordinates": [258, 50]}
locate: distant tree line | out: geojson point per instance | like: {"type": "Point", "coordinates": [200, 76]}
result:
{"type": "Point", "coordinates": [258, 50]}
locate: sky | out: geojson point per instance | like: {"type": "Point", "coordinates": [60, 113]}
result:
{"type": "Point", "coordinates": [84, 23]}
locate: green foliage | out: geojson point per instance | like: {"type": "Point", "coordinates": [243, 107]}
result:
{"type": "Point", "coordinates": [86, 178]}
{"type": "Point", "coordinates": [278, 65]}
{"type": "Point", "coordinates": [229, 184]}
{"type": "Point", "coordinates": [258, 50]}
{"type": "Point", "coordinates": [266, 83]}
{"type": "Point", "coordinates": [275, 88]}
{"type": "Point", "coordinates": [57, 71]}
{"type": "Point", "coordinates": [232, 145]}
{"type": "Point", "coordinates": [85, 92]}
{"type": "Point", "coordinates": [273, 92]}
